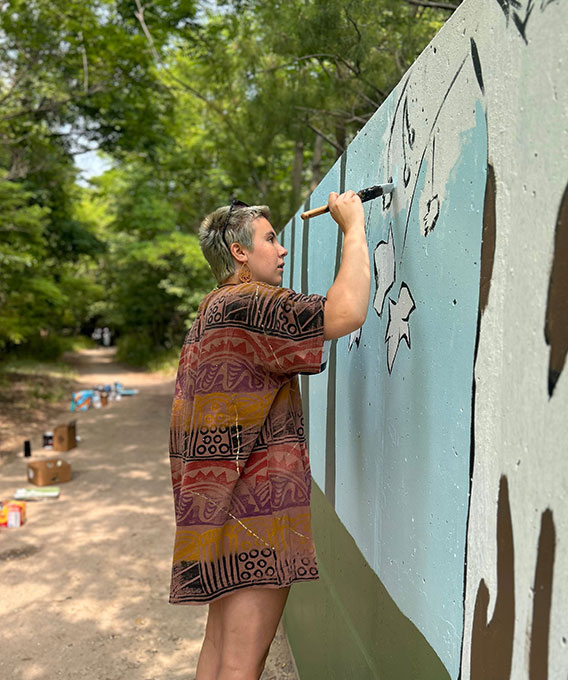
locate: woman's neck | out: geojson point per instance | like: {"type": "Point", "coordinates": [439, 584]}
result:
{"type": "Point", "coordinates": [232, 280]}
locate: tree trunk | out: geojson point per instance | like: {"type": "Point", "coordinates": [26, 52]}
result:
{"type": "Point", "coordinates": [316, 162]}
{"type": "Point", "coordinates": [340, 137]}
{"type": "Point", "coordinates": [297, 173]}
{"type": "Point", "coordinates": [19, 166]}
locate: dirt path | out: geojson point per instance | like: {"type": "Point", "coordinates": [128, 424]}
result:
{"type": "Point", "coordinates": [84, 583]}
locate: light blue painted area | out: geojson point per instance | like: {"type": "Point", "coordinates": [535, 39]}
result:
{"type": "Point", "coordinates": [284, 238]}
{"type": "Point", "coordinates": [296, 239]}
{"type": "Point", "coordinates": [410, 464]}
{"type": "Point", "coordinates": [322, 240]}
{"type": "Point", "coordinates": [403, 440]}
{"type": "Point", "coordinates": [323, 235]}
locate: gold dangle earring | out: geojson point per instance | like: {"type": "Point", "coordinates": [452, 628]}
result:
{"type": "Point", "coordinates": [245, 274]}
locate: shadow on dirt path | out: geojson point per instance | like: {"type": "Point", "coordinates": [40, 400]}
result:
{"type": "Point", "coordinates": [84, 583]}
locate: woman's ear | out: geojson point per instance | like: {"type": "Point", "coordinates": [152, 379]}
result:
{"type": "Point", "coordinates": [238, 252]}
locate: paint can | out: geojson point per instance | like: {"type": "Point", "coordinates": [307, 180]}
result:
{"type": "Point", "coordinates": [48, 440]}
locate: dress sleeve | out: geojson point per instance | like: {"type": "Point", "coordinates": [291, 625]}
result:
{"type": "Point", "coordinates": [286, 328]}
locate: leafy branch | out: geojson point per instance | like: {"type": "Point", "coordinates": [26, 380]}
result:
{"type": "Point", "coordinates": [139, 14]}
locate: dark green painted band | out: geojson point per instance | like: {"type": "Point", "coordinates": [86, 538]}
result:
{"type": "Point", "coordinates": [346, 626]}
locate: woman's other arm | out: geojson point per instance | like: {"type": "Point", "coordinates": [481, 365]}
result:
{"type": "Point", "coordinates": [348, 298]}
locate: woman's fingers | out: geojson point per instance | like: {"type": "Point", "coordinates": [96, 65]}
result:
{"type": "Point", "coordinates": [346, 209]}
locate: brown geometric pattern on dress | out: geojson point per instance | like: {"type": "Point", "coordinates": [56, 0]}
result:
{"type": "Point", "coordinates": [239, 463]}
{"type": "Point", "coordinates": [200, 583]}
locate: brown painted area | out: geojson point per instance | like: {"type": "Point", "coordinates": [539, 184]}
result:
{"type": "Point", "coordinates": [487, 239]}
{"type": "Point", "coordinates": [556, 327]}
{"type": "Point", "coordinates": [538, 665]}
{"type": "Point", "coordinates": [492, 643]}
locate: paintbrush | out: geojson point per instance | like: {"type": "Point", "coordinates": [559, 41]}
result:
{"type": "Point", "coordinates": [365, 195]}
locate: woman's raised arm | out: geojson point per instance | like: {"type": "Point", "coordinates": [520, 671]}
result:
{"type": "Point", "coordinates": [348, 298]}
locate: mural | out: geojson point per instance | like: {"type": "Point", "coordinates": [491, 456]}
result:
{"type": "Point", "coordinates": [492, 643]}
{"type": "Point", "coordinates": [520, 12]}
{"type": "Point", "coordinates": [436, 433]}
{"type": "Point", "coordinates": [556, 328]}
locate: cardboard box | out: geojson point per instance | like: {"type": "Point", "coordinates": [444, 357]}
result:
{"type": "Point", "coordinates": [49, 471]}
{"type": "Point", "coordinates": [12, 514]}
{"type": "Point", "coordinates": [64, 437]}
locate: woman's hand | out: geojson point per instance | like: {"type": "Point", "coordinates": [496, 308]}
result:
{"type": "Point", "coordinates": [347, 210]}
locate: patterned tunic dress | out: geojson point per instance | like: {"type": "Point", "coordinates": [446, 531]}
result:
{"type": "Point", "coordinates": [239, 462]}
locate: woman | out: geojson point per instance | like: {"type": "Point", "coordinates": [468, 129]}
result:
{"type": "Point", "coordinates": [240, 471]}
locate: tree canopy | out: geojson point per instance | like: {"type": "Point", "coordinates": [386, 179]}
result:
{"type": "Point", "coordinates": [190, 102]}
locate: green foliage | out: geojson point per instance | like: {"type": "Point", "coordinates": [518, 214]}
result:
{"type": "Point", "coordinates": [81, 67]}
{"type": "Point", "coordinates": [254, 98]}
{"type": "Point", "coordinates": [22, 248]}
{"type": "Point", "coordinates": [153, 274]}
{"type": "Point", "coordinates": [43, 287]}
{"type": "Point", "coordinates": [136, 349]}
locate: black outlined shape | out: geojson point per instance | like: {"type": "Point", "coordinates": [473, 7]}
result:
{"type": "Point", "coordinates": [520, 14]}
{"type": "Point", "coordinates": [384, 264]}
{"type": "Point", "coordinates": [410, 131]}
{"type": "Point", "coordinates": [397, 328]}
{"type": "Point", "coordinates": [354, 339]}
{"type": "Point", "coordinates": [387, 198]}
{"type": "Point", "coordinates": [426, 146]}
{"type": "Point", "coordinates": [432, 214]}
{"type": "Point", "coordinates": [477, 65]}
{"type": "Point", "coordinates": [402, 109]}
{"type": "Point", "coordinates": [556, 326]}
{"type": "Point", "coordinates": [521, 24]}
{"type": "Point", "coordinates": [408, 136]}
{"type": "Point", "coordinates": [432, 204]}
{"type": "Point", "coordinates": [488, 238]}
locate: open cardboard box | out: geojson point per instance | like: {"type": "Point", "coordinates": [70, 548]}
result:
{"type": "Point", "coordinates": [49, 471]}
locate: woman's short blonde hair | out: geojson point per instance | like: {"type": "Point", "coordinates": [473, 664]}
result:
{"type": "Point", "coordinates": [239, 229]}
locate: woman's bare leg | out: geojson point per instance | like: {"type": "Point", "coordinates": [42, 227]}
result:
{"type": "Point", "coordinates": [240, 630]}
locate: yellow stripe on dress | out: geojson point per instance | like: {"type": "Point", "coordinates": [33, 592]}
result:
{"type": "Point", "coordinates": [240, 535]}
{"type": "Point", "coordinates": [217, 409]}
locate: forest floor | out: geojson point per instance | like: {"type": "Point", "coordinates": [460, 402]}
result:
{"type": "Point", "coordinates": [32, 395]}
{"type": "Point", "coordinates": [85, 580]}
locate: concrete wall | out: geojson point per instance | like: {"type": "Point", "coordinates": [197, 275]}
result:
{"type": "Point", "coordinates": [438, 433]}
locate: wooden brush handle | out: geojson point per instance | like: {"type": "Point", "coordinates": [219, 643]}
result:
{"type": "Point", "coordinates": [315, 212]}
{"type": "Point", "coordinates": [365, 195]}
